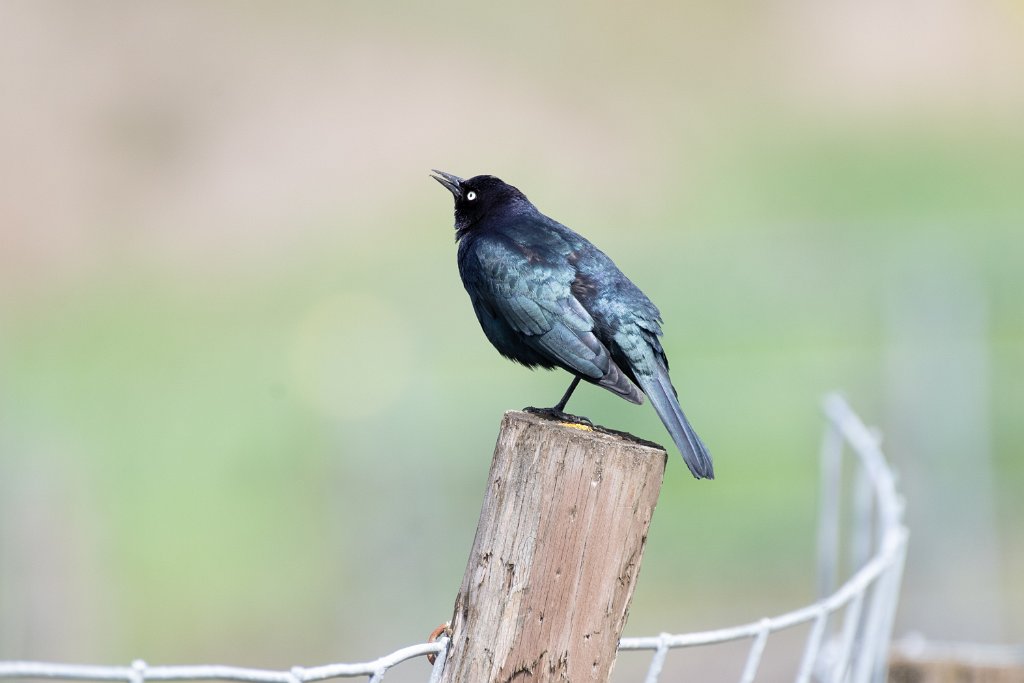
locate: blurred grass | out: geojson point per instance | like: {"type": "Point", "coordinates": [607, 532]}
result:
{"type": "Point", "coordinates": [228, 492]}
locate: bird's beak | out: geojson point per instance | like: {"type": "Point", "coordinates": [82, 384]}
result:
{"type": "Point", "coordinates": [452, 182]}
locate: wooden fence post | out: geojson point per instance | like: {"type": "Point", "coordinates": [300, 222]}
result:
{"type": "Point", "coordinates": [950, 663]}
{"type": "Point", "coordinates": [556, 554]}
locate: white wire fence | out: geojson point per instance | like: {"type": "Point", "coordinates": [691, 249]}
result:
{"type": "Point", "coordinates": [850, 626]}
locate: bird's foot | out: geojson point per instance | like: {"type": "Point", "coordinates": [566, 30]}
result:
{"type": "Point", "coordinates": [558, 415]}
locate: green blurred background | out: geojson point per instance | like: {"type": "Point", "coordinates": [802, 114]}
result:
{"type": "Point", "coordinates": [246, 412]}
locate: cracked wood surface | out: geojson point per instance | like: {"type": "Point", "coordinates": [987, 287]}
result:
{"type": "Point", "coordinates": [556, 554]}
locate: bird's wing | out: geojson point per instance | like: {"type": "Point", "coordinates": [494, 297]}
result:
{"type": "Point", "coordinates": [533, 294]}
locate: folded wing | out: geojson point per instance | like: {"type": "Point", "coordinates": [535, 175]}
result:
{"type": "Point", "coordinates": [535, 298]}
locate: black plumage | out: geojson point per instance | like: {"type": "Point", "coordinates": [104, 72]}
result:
{"type": "Point", "coordinates": [547, 297]}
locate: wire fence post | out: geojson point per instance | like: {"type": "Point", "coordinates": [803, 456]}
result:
{"type": "Point", "coordinates": [556, 554]}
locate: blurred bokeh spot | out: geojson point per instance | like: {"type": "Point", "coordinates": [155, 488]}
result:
{"type": "Point", "coordinates": [352, 355]}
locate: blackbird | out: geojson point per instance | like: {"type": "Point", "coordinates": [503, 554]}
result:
{"type": "Point", "coordinates": [546, 297]}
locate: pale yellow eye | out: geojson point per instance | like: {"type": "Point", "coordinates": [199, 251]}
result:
{"type": "Point", "coordinates": [471, 195]}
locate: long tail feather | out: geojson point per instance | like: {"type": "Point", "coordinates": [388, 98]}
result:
{"type": "Point", "coordinates": [659, 389]}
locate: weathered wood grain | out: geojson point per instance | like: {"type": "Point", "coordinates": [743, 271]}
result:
{"type": "Point", "coordinates": [556, 554]}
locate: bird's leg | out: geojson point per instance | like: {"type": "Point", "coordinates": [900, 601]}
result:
{"type": "Point", "coordinates": [557, 412]}
{"type": "Point", "coordinates": [560, 406]}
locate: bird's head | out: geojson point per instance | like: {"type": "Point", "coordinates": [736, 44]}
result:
{"type": "Point", "coordinates": [478, 197]}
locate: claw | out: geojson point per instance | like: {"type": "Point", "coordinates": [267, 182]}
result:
{"type": "Point", "coordinates": [559, 416]}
